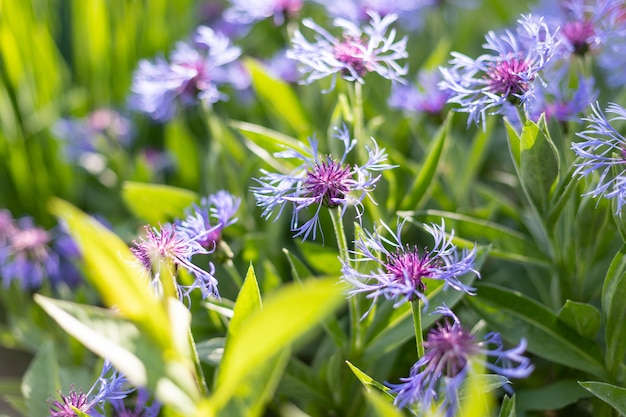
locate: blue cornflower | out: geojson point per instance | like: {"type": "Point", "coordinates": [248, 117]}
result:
{"type": "Point", "coordinates": [436, 378]}
{"type": "Point", "coordinates": [603, 150]}
{"type": "Point", "coordinates": [167, 243]}
{"type": "Point", "coordinates": [283, 68]}
{"type": "Point", "coordinates": [410, 12]}
{"type": "Point", "coordinates": [319, 181]}
{"type": "Point", "coordinates": [141, 408]}
{"type": "Point", "coordinates": [110, 386]}
{"type": "Point", "coordinates": [194, 73]}
{"type": "Point", "coordinates": [504, 77]}
{"type": "Point", "coordinates": [204, 223]}
{"type": "Point", "coordinates": [356, 53]}
{"type": "Point", "coordinates": [423, 97]}
{"type": "Point", "coordinates": [249, 11]}
{"type": "Point", "coordinates": [400, 269]}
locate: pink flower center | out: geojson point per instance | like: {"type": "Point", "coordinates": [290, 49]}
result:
{"type": "Point", "coordinates": [509, 79]}
{"type": "Point", "coordinates": [578, 34]}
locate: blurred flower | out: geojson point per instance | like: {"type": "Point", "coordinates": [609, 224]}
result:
{"type": "Point", "coordinates": [141, 408]}
{"type": "Point", "coordinates": [603, 150]}
{"type": "Point", "coordinates": [400, 269]}
{"type": "Point", "coordinates": [319, 181]}
{"type": "Point", "coordinates": [167, 243]}
{"type": "Point", "coordinates": [32, 255]}
{"type": "Point", "coordinates": [449, 348]}
{"type": "Point", "coordinates": [110, 386]}
{"type": "Point", "coordinates": [423, 97]}
{"type": "Point", "coordinates": [249, 11]}
{"type": "Point", "coordinates": [504, 77]}
{"type": "Point", "coordinates": [194, 73]}
{"type": "Point", "coordinates": [283, 68]}
{"type": "Point", "coordinates": [356, 53]}
{"type": "Point", "coordinates": [204, 223]}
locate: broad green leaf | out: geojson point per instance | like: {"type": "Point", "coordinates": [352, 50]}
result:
{"type": "Point", "coordinates": [614, 311]}
{"type": "Point", "coordinates": [41, 381]}
{"type": "Point", "coordinates": [507, 407]}
{"type": "Point", "coordinates": [552, 396]}
{"type": "Point", "coordinates": [516, 316]}
{"type": "Point", "coordinates": [538, 164]}
{"type": "Point", "coordinates": [323, 258]}
{"type": "Point", "coordinates": [108, 264]}
{"type": "Point", "coordinates": [381, 406]}
{"type": "Point", "coordinates": [157, 203]}
{"type": "Point", "coordinates": [612, 395]}
{"type": "Point", "coordinates": [418, 190]}
{"type": "Point", "coordinates": [297, 307]}
{"type": "Point", "coordinates": [368, 381]}
{"type": "Point", "coordinates": [278, 98]}
{"type": "Point", "coordinates": [582, 317]}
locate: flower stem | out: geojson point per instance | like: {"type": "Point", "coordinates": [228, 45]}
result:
{"type": "Point", "coordinates": [358, 119]}
{"type": "Point", "coordinates": [416, 307]}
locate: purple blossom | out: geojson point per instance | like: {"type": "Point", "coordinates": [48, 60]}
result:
{"type": "Point", "coordinates": [504, 77]}
{"type": "Point", "coordinates": [249, 11]}
{"type": "Point", "coordinates": [356, 53]}
{"type": "Point", "coordinates": [437, 377]}
{"type": "Point", "coordinates": [110, 386]}
{"type": "Point", "coordinates": [283, 68]}
{"type": "Point", "coordinates": [603, 151]}
{"type": "Point", "coordinates": [423, 97]}
{"type": "Point", "coordinates": [169, 244]}
{"type": "Point", "coordinates": [204, 223]}
{"type": "Point", "coordinates": [141, 408]}
{"type": "Point", "coordinates": [194, 73]}
{"type": "Point", "coordinates": [398, 269]}
{"type": "Point", "coordinates": [320, 181]}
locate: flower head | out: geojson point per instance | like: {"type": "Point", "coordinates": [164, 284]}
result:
{"type": "Point", "coordinates": [168, 244]}
{"type": "Point", "coordinates": [356, 53]}
{"type": "Point", "coordinates": [603, 150]}
{"type": "Point", "coordinates": [194, 73]}
{"type": "Point", "coordinates": [448, 350]}
{"type": "Point", "coordinates": [423, 97]}
{"type": "Point", "coordinates": [320, 181]}
{"type": "Point", "coordinates": [249, 11]}
{"type": "Point", "coordinates": [504, 77]}
{"type": "Point", "coordinates": [399, 270]}
{"type": "Point", "coordinates": [109, 386]}
{"type": "Point", "coordinates": [141, 407]}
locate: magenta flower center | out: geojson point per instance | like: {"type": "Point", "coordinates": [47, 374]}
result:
{"type": "Point", "coordinates": [449, 347]}
{"type": "Point", "coordinates": [410, 265]}
{"type": "Point", "coordinates": [509, 79]}
{"type": "Point", "coordinates": [31, 240]}
{"type": "Point", "coordinates": [350, 52]}
{"type": "Point", "coordinates": [578, 34]}
{"type": "Point", "coordinates": [329, 182]}
{"type": "Point", "coordinates": [64, 409]}
{"type": "Point", "coordinates": [198, 82]}
{"type": "Point", "coordinates": [288, 7]}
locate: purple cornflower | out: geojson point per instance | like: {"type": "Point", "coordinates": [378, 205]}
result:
{"type": "Point", "coordinates": [204, 223]}
{"type": "Point", "coordinates": [141, 408]}
{"type": "Point", "coordinates": [423, 97]}
{"type": "Point", "coordinates": [353, 55]}
{"type": "Point", "coordinates": [282, 67]}
{"type": "Point", "coordinates": [409, 11]}
{"type": "Point", "coordinates": [169, 244]}
{"type": "Point", "coordinates": [194, 73]}
{"type": "Point", "coordinates": [603, 150]}
{"type": "Point", "coordinates": [400, 269]}
{"type": "Point", "coordinates": [249, 11]}
{"type": "Point", "coordinates": [504, 77]}
{"type": "Point", "coordinates": [448, 351]}
{"type": "Point", "coordinates": [319, 181]}
{"type": "Point", "coordinates": [109, 387]}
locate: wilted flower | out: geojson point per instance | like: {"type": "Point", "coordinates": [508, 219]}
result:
{"type": "Point", "coordinates": [141, 407]}
{"type": "Point", "coordinates": [400, 269]}
{"type": "Point", "coordinates": [504, 77]}
{"type": "Point", "coordinates": [168, 244]}
{"type": "Point", "coordinates": [204, 223]}
{"type": "Point", "coordinates": [320, 181]}
{"type": "Point", "coordinates": [603, 150]}
{"type": "Point", "coordinates": [110, 386]}
{"type": "Point", "coordinates": [249, 11]}
{"type": "Point", "coordinates": [423, 97]}
{"type": "Point", "coordinates": [448, 351]}
{"type": "Point", "coordinates": [194, 73]}
{"type": "Point", "coordinates": [356, 53]}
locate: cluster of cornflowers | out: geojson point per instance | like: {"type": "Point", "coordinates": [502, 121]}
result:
{"type": "Point", "coordinates": [175, 244]}
{"type": "Point", "coordinates": [35, 257]}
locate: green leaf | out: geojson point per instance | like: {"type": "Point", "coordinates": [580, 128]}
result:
{"type": "Point", "coordinates": [108, 263]}
{"type": "Point", "coordinates": [41, 381]}
{"type": "Point", "coordinates": [418, 190]}
{"type": "Point", "coordinates": [323, 258]}
{"type": "Point", "coordinates": [514, 141]}
{"type": "Point", "coordinates": [156, 203]}
{"type": "Point", "coordinates": [507, 407]}
{"type": "Point", "coordinates": [488, 382]}
{"type": "Point", "coordinates": [610, 394]}
{"type": "Point", "coordinates": [516, 316]}
{"type": "Point", "coordinates": [382, 407]}
{"type": "Point", "coordinates": [550, 396]}
{"type": "Point", "coordinates": [614, 311]}
{"type": "Point", "coordinates": [299, 270]}
{"type": "Point", "coordinates": [278, 98]}
{"type": "Point", "coordinates": [582, 317]}
{"type": "Point", "coordinates": [368, 381]}
{"type": "Point", "coordinates": [297, 307]}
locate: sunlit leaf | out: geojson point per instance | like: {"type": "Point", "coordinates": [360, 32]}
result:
{"type": "Point", "coordinates": [156, 203]}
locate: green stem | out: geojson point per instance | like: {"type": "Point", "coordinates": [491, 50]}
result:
{"type": "Point", "coordinates": [358, 119]}
{"type": "Point", "coordinates": [416, 307]}
{"type": "Point", "coordinates": [200, 378]}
